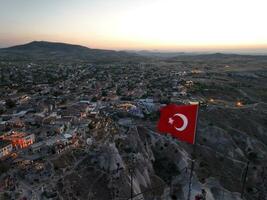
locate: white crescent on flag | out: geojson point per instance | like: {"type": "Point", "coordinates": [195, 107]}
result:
{"type": "Point", "coordinates": [185, 122]}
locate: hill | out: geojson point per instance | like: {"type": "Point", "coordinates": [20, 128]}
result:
{"type": "Point", "coordinates": [62, 52]}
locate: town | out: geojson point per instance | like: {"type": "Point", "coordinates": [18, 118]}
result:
{"type": "Point", "coordinates": [65, 125]}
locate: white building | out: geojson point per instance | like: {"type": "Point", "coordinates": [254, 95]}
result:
{"type": "Point", "coordinates": [5, 148]}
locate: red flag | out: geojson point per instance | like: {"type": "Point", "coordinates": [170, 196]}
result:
{"type": "Point", "coordinates": [179, 121]}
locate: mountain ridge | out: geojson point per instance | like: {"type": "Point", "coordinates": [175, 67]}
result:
{"type": "Point", "coordinates": [59, 52]}
{"type": "Point", "coordinates": [43, 50]}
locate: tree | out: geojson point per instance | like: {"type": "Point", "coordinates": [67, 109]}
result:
{"type": "Point", "coordinates": [118, 91]}
{"type": "Point", "coordinates": [2, 110]}
{"type": "Point", "coordinates": [10, 103]}
{"type": "Point", "coordinates": [104, 93]}
{"type": "Point", "coordinates": [94, 99]}
{"type": "Point", "coordinates": [164, 100]}
{"type": "Point", "coordinates": [3, 168]}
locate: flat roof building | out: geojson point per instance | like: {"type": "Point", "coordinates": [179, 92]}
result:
{"type": "Point", "coordinates": [5, 148]}
{"type": "Point", "coordinates": [19, 139]}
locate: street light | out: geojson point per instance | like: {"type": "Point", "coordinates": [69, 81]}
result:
{"type": "Point", "coordinates": [239, 104]}
{"type": "Point", "coordinates": [211, 100]}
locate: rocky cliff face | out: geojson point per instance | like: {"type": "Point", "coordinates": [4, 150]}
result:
{"type": "Point", "coordinates": [157, 166]}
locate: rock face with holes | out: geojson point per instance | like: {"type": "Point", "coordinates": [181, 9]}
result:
{"type": "Point", "coordinates": [157, 166]}
{"type": "Point", "coordinates": [131, 159]}
{"type": "Point", "coordinates": [138, 160]}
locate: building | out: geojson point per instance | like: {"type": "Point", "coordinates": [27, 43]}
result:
{"type": "Point", "coordinates": [5, 148]}
{"type": "Point", "coordinates": [37, 147]}
{"type": "Point", "coordinates": [147, 105]}
{"type": "Point", "coordinates": [19, 140]}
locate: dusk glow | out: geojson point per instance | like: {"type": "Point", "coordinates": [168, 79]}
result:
{"type": "Point", "coordinates": [139, 24]}
{"type": "Point", "coordinates": [133, 99]}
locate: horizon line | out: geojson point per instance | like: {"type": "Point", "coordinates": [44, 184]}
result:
{"type": "Point", "coordinates": [244, 48]}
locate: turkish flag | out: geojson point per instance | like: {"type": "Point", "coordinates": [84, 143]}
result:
{"type": "Point", "coordinates": [180, 121]}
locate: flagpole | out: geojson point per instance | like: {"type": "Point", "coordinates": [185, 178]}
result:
{"type": "Point", "coordinates": [190, 180]}
{"type": "Point", "coordinates": [131, 177]}
{"type": "Point", "coordinates": [193, 159]}
{"type": "Point", "coordinates": [244, 181]}
{"type": "Point", "coordinates": [191, 172]}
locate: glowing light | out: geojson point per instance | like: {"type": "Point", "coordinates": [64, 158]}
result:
{"type": "Point", "coordinates": [239, 104]}
{"type": "Point", "coordinates": [211, 100]}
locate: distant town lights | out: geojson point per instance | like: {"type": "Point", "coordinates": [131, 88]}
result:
{"type": "Point", "coordinates": [211, 100]}
{"type": "Point", "coordinates": [239, 104]}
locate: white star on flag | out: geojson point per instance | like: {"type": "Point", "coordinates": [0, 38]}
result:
{"type": "Point", "coordinates": [171, 120]}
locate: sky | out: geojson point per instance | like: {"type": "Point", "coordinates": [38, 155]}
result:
{"type": "Point", "coordinates": [167, 25]}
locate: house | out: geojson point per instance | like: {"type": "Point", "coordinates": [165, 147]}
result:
{"type": "Point", "coordinates": [19, 139]}
{"type": "Point", "coordinates": [147, 105]}
{"type": "Point", "coordinates": [135, 111]}
{"type": "Point", "coordinates": [37, 147]}
{"type": "Point", "coordinates": [5, 148]}
{"type": "Point", "coordinates": [12, 123]}
{"type": "Point", "coordinates": [79, 110]}
{"type": "Point", "coordinates": [189, 83]}
{"type": "Point", "coordinates": [147, 100]}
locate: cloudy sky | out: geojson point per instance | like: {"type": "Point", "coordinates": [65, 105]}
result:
{"type": "Point", "coordinates": [137, 24]}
